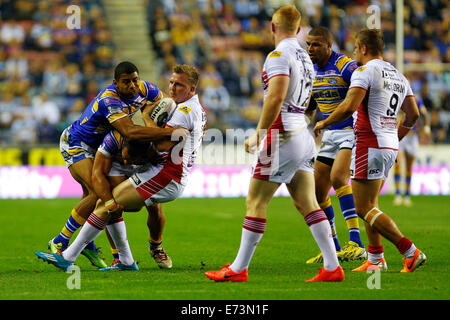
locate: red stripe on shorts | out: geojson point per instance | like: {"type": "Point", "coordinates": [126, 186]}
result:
{"type": "Point", "coordinates": [154, 185]}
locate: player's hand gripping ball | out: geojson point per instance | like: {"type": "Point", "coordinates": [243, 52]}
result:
{"type": "Point", "coordinates": [163, 111]}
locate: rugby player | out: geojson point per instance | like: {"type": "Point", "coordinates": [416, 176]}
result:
{"type": "Point", "coordinates": [286, 151]}
{"type": "Point", "coordinates": [160, 183]}
{"type": "Point", "coordinates": [332, 166]}
{"type": "Point", "coordinates": [111, 108]}
{"type": "Point", "coordinates": [377, 91]}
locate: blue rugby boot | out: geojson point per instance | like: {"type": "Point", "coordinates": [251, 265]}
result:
{"type": "Point", "coordinates": [121, 267]}
{"type": "Point", "coordinates": [54, 259]}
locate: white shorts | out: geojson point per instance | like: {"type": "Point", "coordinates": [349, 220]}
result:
{"type": "Point", "coordinates": [119, 169]}
{"type": "Point", "coordinates": [281, 155]}
{"type": "Point", "coordinates": [335, 140]}
{"type": "Point", "coordinates": [371, 163]}
{"type": "Point", "coordinates": [156, 186]}
{"type": "Point", "coordinates": [74, 150]}
{"type": "Point", "coordinates": [409, 144]}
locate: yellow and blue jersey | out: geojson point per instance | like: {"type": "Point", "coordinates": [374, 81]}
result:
{"type": "Point", "coordinates": [95, 122]}
{"type": "Point", "coordinates": [331, 85]}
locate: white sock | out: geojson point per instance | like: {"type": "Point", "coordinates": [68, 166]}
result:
{"type": "Point", "coordinates": [410, 252]}
{"type": "Point", "coordinates": [118, 233]}
{"type": "Point", "coordinates": [88, 233]}
{"type": "Point", "coordinates": [252, 232]}
{"type": "Point", "coordinates": [374, 258]}
{"type": "Point", "coordinates": [321, 231]}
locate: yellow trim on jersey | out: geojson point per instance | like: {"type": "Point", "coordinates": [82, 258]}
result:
{"type": "Point", "coordinates": [160, 96]}
{"type": "Point", "coordinates": [110, 93]}
{"type": "Point", "coordinates": [325, 81]}
{"type": "Point", "coordinates": [342, 61]}
{"type": "Point", "coordinates": [116, 116]}
{"type": "Point", "coordinates": [142, 88]}
{"type": "Point", "coordinates": [95, 106]}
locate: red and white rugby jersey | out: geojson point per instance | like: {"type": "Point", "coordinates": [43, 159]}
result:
{"type": "Point", "coordinates": [179, 161]}
{"type": "Point", "coordinates": [387, 88]}
{"type": "Point", "coordinates": [289, 59]}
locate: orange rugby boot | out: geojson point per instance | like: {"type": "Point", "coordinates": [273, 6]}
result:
{"type": "Point", "coordinates": [335, 275]}
{"type": "Point", "coordinates": [409, 265]}
{"type": "Point", "coordinates": [226, 274]}
{"type": "Point", "coordinates": [368, 266]}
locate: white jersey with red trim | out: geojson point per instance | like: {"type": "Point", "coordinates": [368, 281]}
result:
{"type": "Point", "coordinates": [189, 115]}
{"type": "Point", "coordinates": [386, 89]}
{"type": "Point", "coordinates": [289, 59]}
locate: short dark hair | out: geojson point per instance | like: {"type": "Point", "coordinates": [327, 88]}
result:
{"type": "Point", "coordinates": [124, 67]}
{"type": "Point", "coordinates": [322, 32]}
{"type": "Point", "coordinates": [373, 39]}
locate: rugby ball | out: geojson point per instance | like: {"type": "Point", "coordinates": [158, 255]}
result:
{"type": "Point", "coordinates": [163, 111]}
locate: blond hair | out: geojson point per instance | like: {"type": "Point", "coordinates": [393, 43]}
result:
{"type": "Point", "coordinates": [373, 39]}
{"type": "Point", "coordinates": [287, 18]}
{"type": "Point", "coordinates": [190, 71]}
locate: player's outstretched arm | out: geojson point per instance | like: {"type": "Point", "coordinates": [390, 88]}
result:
{"type": "Point", "coordinates": [127, 129]}
{"type": "Point", "coordinates": [179, 135]}
{"type": "Point", "coordinates": [345, 109]}
{"type": "Point", "coordinates": [411, 111]}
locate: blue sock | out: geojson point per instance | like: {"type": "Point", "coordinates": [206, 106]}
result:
{"type": "Point", "coordinates": [347, 203]}
{"type": "Point", "coordinates": [154, 245]}
{"type": "Point", "coordinates": [68, 230]}
{"type": "Point", "coordinates": [329, 212]}
{"type": "Point", "coordinates": [407, 185]}
{"type": "Point", "coordinates": [397, 181]}
{"type": "Point", "coordinates": [91, 246]}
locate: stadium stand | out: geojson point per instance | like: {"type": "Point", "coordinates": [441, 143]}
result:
{"type": "Point", "coordinates": [49, 73]}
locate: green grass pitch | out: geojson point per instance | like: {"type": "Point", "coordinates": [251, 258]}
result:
{"type": "Point", "coordinates": [201, 235]}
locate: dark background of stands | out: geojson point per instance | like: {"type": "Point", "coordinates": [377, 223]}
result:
{"type": "Point", "coordinates": [49, 73]}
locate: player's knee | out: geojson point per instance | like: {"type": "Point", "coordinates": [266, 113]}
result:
{"type": "Point", "coordinates": [154, 210]}
{"type": "Point", "coordinates": [321, 193]}
{"type": "Point", "coordinates": [255, 208]}
{"type": "Point", "coordinates": [92, 198]}
{"type": "Point", "coordinates": [339, 181]}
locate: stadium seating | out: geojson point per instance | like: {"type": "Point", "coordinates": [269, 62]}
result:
{"type": "Point", "coordinates": [48, 72]}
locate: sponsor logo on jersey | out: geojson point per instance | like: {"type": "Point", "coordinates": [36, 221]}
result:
{"type": "Point", "coordinates": [185, 109]}
{"type": "Point", "coordinates": [275, 54]}
{"type": "Point", "coordinates": [114, 109]}
{"type": "Point", "coordinates": [323, 94]}
{"type": "Point", "coordinates": [332, 80]}
{"type": "Point", "coordinates": [360, 69]}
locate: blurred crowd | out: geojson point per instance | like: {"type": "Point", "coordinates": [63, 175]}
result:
{"type": "Point", "coordinates": [49, 72]}
{"type": "Point", "coordinates": [228, 41]}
